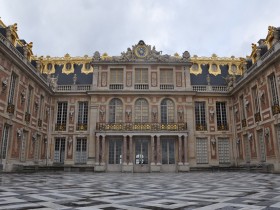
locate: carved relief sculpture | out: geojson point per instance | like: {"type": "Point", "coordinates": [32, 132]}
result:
{"type": "Point", "coordinates": [129, 79]}
{"type": "Point", "coordinates": [178, 79]}
{"type": "Point", "coordinates": [103, 79]}
{"type": "Point", "coordinates": [154, 79]}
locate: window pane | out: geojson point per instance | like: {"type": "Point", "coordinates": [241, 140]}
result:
{"type": "Point", "coordinates": [141, 110]}
{"type": "Point", "coordinates": [167, 111]}
{"type": "Point", "coordinates": [115, 111]}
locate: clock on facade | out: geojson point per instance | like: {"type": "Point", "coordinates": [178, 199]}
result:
{"type": "Point", "coordinates": [141, 51]}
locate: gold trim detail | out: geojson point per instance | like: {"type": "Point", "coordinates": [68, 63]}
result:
{"type": "Point", "coordinates": [235, 64]}
{"type": "Point", "coordinates": [67, 59]}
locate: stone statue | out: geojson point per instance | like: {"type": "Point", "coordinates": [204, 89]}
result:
{"type": "Point", "coordinates": [96, 56]}
{"type": "Point", "coordinates": [186, 55]}
{"type": "Point", "coordinates": [229, 80]}
{"type": "Point", "coordinates": [127, 55]}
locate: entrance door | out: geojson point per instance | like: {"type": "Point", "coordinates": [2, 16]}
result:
{"type": "Point", "coordinates": [141, 161]}
{"type": "Point", "coordinates": [81, 151]}
{"type": "Point", "coordinates": [36, 150]}
{"type": "Point", "coordinates": [4, 145]}
{"type": "Point", "coordinates": [59, 150]}
{"type": "Point", "coordinates": [23, 146]}
{"type": "Point", "coordinates": [223, 151]}
{"type": "Point", "coordinates": [262, 146]}
{"type": "Point", "coordinates": [201, 151]}
{"type": "Point", "coordinates": [247, 149]}
{"type": "Point", "coordinates": [278, 135]}
{"type": "Point", "coordinates": [168, 153]}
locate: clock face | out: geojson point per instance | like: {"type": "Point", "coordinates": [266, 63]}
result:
{"type": "Point", "coordinates": [141, 51]}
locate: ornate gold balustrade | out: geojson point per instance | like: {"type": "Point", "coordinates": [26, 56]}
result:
{"type": "Point", "coordinates": [275, 109]}
{"type": "Point", "coordinates": [223, 127]}
{"type": "Point", "coordinates": [141, 127]}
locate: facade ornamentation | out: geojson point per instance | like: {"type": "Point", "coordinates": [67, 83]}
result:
{"type": "Point", "coordinates": [140, 111]}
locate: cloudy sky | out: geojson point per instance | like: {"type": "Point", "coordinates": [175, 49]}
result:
{"type": "Point", "coordinates": [80, 27]}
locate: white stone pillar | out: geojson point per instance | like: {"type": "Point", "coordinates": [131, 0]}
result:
{"type": "Point", "coordinates": [185, 149]}
{"type": "Point", "coordinates": [97, 146]}
{"type": "Point", "coordinates": [103, 150]}
{"type": "Point", "coordinates": [180, 150]}
{"type": "Point", "coordinates": [124, 150]}
{"type": "Point", "coordinates": [92, 157]}
{"type": "Point", "coordinates": [153, 150]}
{"type": "Point", "coordinates": [158, 150]}
{"type": "Point", "coordinates": [130, 151]}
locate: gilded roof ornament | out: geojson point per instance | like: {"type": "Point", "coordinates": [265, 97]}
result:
{"type": "Point", "coordinates": [141, 52]}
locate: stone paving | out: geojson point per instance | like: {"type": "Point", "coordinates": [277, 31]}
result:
{"type": "Point", "coordinates": [109, 191]}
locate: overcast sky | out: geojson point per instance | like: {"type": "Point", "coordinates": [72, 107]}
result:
{"type": "Point", "coordinates": [81, 27]}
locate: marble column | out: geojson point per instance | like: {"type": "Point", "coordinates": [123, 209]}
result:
{"type": "Point", "coordinates": [158, 150]}
{"type": "Point", "coordinates": [153, 150]}
{"type": "Point", "coordinates": [97, 159]}
{"type": "Point", "coordinates": [130, 151]}
{"type": "Point", "coordinates": [103, 150]}
{"type": "Point", "coordinates": [180, 150]}
{"type": "Point", "coordinates": [185, 149]}
{"type": "Point", "coordinates": [124, 150]}
{"type": "Point", "coordinates": [93, 111]}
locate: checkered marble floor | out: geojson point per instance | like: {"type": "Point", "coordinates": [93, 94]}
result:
{"type": "Point", "coordinates": [109, 191]}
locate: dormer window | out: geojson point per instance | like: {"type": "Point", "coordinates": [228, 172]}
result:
{"type": "Point", "coordinates": [87, 66]}
{"type": "Point", "coordinates": [68, 66]}
{"type": "Point", "coordinates": [49, 66]}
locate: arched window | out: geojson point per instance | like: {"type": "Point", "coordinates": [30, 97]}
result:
{"type": "Point", "coordinates": [141, 110]}
{"type": "Point", "coordinates": [167, 111]}
{"type": "Point", "coordinates": [115, 111]}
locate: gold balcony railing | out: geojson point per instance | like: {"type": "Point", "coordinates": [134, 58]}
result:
{"type": "Point", "coordinates": [222, 127]}
{"type": "Point", "coordinates": [27, 117]}
{"type": "Point", "coordinates": [258, 117]}
{"type": "Point", "coordinates": [81, 127]}
{"type": "Point", "coordinates": [11, 108]}
{"type": "Point", "coordinates": [201, 127]}
{"type": "Point", "coordinates": [60, 127]}
{"type": "Point", "coordinates": [244, 123]}
{"type": "Point", "coordinates": [40, 123]}
{"type": "Point", "coordinates": [141, 127]}
{"type": "Point", "coordinates": [275, 109]}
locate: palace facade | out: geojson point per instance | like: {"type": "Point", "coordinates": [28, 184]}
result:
{"type": "Point", "coordinates": [140, 111]}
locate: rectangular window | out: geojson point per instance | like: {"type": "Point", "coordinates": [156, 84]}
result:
{"type": "Point", "coordinates": [4, 145]}
{"type": "Point", "coordinates": [274, 94]}
{"type": "Point", "coordinates": [141, 79]}
{"type": "Point", "coordinates": [201, 151]}
{"type": "Point", "coordinates": [81, 151]}
{"type": "Point", "coordinates": [200, 118]}
{"type": "Point", "coordinates": [256, 99]}
{"type": "Point", "coordinates": [41, 107]}
{"type": "Point", "coordinates": [273, 90]}
{"type": "Point", "coordinates": [221, 116]}
{"type": "Point", "coordinates": [116, 76]}
{"type": "Point", "coordinates": [12, 89]}
{"type": "Point", "coordinates": [61, 119]}
{"type": "Point", "coordinates": [166, 76]}
{"type": "Point", "coordinates": [29, 99]}
{"type": "Point", "coordinates": [141, 76]}
{"type": "Point", "coordinates": [115, 150]}
{"type": "Point", "coordinates": [83, 114]}
{"type": "Point", "coordinates": [242, 105]}
{"type": "Point", "coordinates": [61, 113]}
